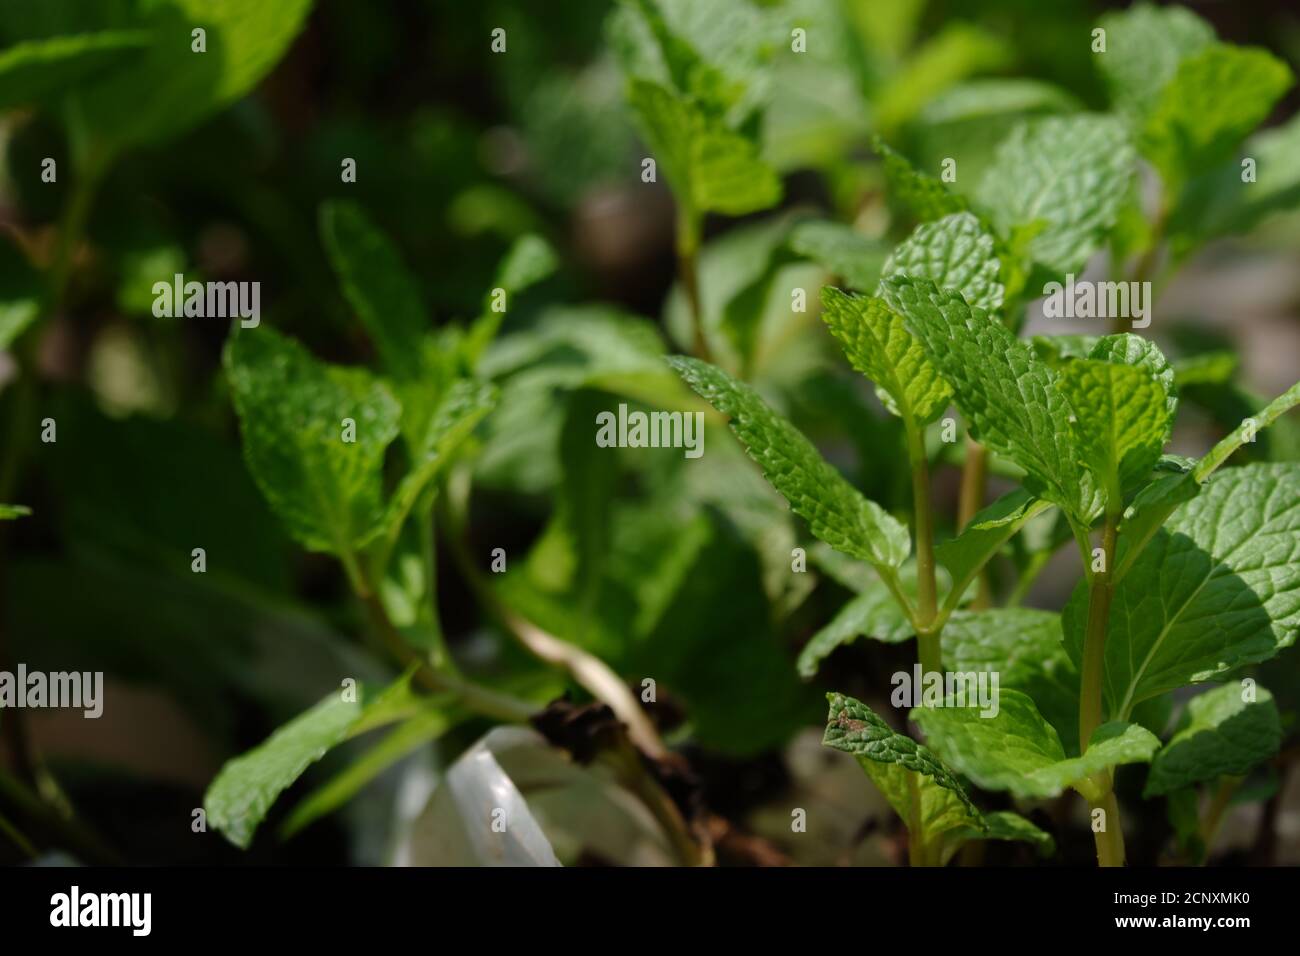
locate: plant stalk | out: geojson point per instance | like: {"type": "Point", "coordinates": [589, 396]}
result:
{"type": "Point", "coordinates": [1101, 589]}
{"type": "Point", "coordinates": [1110, 842]}
{"type": "Point", "coordinates": [688, 252]}
{"type": "Point", "coordinates": [927, 609]}
{"type": "Point", "coordinates": [974, 486]}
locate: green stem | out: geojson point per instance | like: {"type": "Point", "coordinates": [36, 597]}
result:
{"type": "Point", "coordinates": [1110, 842]}
{"type": "Point", "coordinates": [65, 829]}
{"type": "Point", "coordinates": [974, 484]}
{"type": "Point", "coordinates": [1094, 642]}
{"type": "Point", "coordinates": [916, 855]}
{"type": "Point", "coordinates": [927, 627]}
{"type": "Point", "coordinates": [482, 699]}
{"type": "Point", "coordinates": [442, 659]}
{"type": "Point", "coordinates": [689, 229]}
{"type": "Point", "coordinates": [1215, 811]}
{"type": "Point", "coordinates": [72, 225]}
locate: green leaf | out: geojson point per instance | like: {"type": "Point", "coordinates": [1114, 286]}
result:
{"type": "Point", "coordinates": [1150, 509]}
{"type": "Point", "coordinates": [716, 55]}
{"type": "Point", "coordinates": [955, 53]}
{"type": "Point", "coordinates": [293, 410]}
{"type": "Point", "coordinates": [925, 196]}
{"type": "Point", "coordinates": [872, 613]}
{"type": "Point", "coordinates": [1009, 397]}
{"type": "Point", "coordinates": [20, 294]}
{"type": "Point", "coordinates": [1217, 588]}
{"type": "Point", "coordinates": [984, 536]}
{"type": "Point", "coordinates": [1005, 825]}
{"type": "Point", "coordinates": [922, 791]}
{"type": "Point", "coordinates": [1129, 349]}
{"type": "Point", "coordinates": [530, 260]}
{"type": "Point", "coordinates": [1069, 172]}
{"type": "Point", "coordinates": [835, 511]}
{"type": "Point", "coordinates": [842, 251]}
{"type": "Point", "coordinates": [397, 744]}
{"type": "Point", "coordinates": [168, 88]}
{"type": "Point", "coordinates": [879, 346]}
{"type": "Point", "coordinates": [248, 785]}
{"type": "Point", "coordinates": [1246, 431]}
{"type": "Point", "coordinates": [1001, 825]}
{"type": "Point", "coordinates": [37, 70]}
{"type": "Point", "coordinates": [993, 98]}
{"type": "Point", "coordinates": [1144, 46]}
{"type": "Point", "coordinates": [1216, 97]}
{"type": "Point", "coordinates": [378, 286]}
{"type": "Point", "coordinates": [1017, 750]}
{"type": "Point", "coordinates": [954, 253]}
{"type": "Point", "coordinates": [710, 167]}
{"type": "Point", "coordinates": [9, 512]}
{"type": "Point", "coordinates": [1221, 203]}
{"type": "Point", "coordinates": [465, 405]}
{"type": "Point", "coordinates": [1121, 421]}
{"type": "Point", "coordinates": [1223, 735]}
{"type": "Point", "coordinates": [1023, 647]}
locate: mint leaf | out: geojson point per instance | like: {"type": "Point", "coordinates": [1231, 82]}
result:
{"type": "Point", "coordinates": [1129, 349]}
{"type": "Point", "coordinates": [902, 769]}
{"type": "Point", "coordinates": [710, 167]}
{"type": "Point", "coordinates": [1121, 421]}
{"type": "Point", "coordinates": [926, 197]}
{"type": "Point", "coordinates": [293, 410]}
{"type": "Point", "coordinates": [1223, 735]}
{"type": "Point", "coordinates": [954, 253]}
{"type": "Point", "coordinates": [242, 793]}
{"type": "Point", "coordinates": [879, 346]}
{"type": "Point", "coordinates": [36, 70]}
{"type": "Point", "coordinates": [1023, 646]}
{"type": "Point", "coordinates": [1009, 397]}
{"type": "Point", "coordinates": [1005, 825]}
{"type": "Point", "coordinates": [1215, 98]}
{"type": "Point", "coordinates": [1144, 46]}
{"type": "Point", "coordinates": [1220, 203]}
{"type": "Point", "coordinates": [1069, 172]}
{"type": "Point", "coordinates": [21, 291]}
{"type": "Point", "coordinates": [464, 406]}
{"type": "Point", "coordinates": [1019, 751]}
{"type": "Point", "coordinates": [1252, 425]}
{"type": "Point", "coordinates": [404, 739]}
{"type": "Point", "coordinates": [9, 512]}
{"type": "Point", "coordinates": [377, 284]}
{"type": "Point", "coordinates": [530, 260]}
{"type": "Point", "coordinates": [1217, 588]}
{"type": "Point", "coordinates": [167, 88]}
{"type": "Point", "coordinates": [984, 536]}
{"type": "Point", "coordinates": [835, 511]}
{"type": "Point", "coordinates": [872, 613]}
{"type": "Point", "coordinates": [956, 52]}
{"type": "Point", "coordinates": [841, 251]}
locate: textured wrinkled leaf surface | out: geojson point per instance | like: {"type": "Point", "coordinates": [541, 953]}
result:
{"type": "Point", "coordinates": [1070, 172]}
{"type": "Point", "coordinates": [879, 346]}
{"type": "Point", "coordinates": [1007, 394]}
{"type": "Point", "coordinates": [1224, 734]}
{"type": "Point", "coordinates": [292, 408]}
{"type": "Point", "coordinates": [954, 253]}
{"type": "Point", "coordinates": [1217, 587]}
{"type": "Point", "coordinates": [836, 512]}
{"type": "Point", "coordinates": [1019, 751]}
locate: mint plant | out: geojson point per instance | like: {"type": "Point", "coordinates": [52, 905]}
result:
{"type": "Point", "coordinates": [387, 543]}
{"type": "Point", "coordinates": [1188, 576]}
